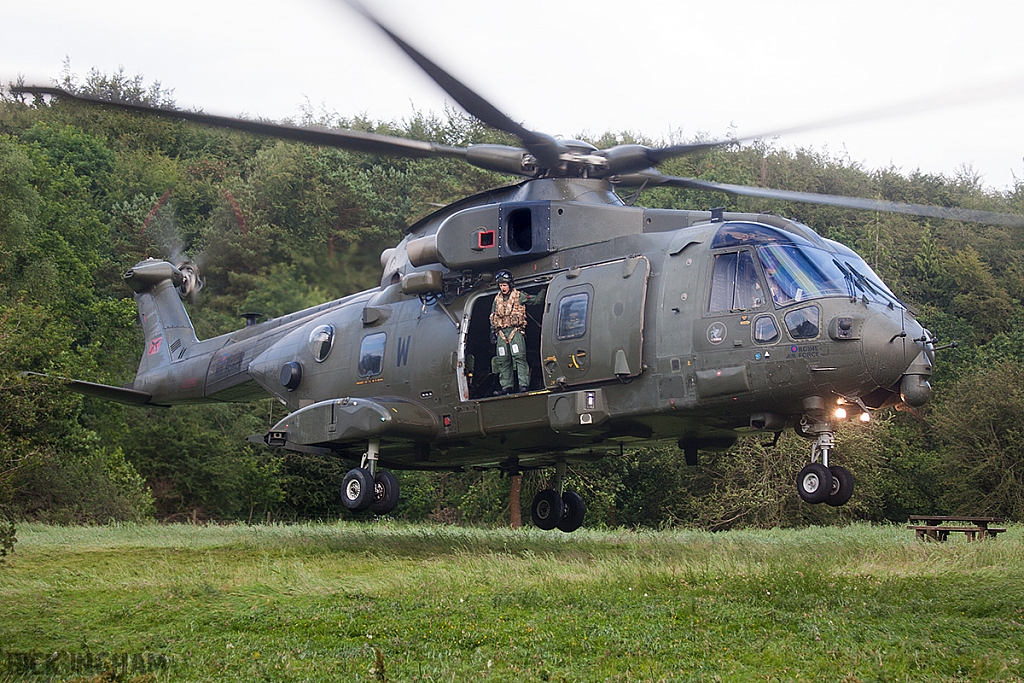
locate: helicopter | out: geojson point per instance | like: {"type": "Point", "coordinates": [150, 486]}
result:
{"type": "Point", "coordinates": [683, 327]}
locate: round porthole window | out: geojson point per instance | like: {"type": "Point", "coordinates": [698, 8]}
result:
{"type": "Point", "coordinates": [321, 339]}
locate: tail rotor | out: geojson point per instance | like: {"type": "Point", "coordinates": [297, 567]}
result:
{"type": "Point", "coordinates": [192, 283]}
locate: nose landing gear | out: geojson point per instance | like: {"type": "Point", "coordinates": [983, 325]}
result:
{"type": "Point", "coordinates": [819, 482]}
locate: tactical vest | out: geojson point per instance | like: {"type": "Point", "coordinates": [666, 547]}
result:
{"type": "Point", "coordinates": [508, 312]}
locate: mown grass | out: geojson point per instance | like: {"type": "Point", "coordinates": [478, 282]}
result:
{"type": "Point", "coordinates": [364, 602]}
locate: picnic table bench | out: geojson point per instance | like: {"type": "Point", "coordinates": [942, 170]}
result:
{"type": "Point", "coordinates": [938, 527]}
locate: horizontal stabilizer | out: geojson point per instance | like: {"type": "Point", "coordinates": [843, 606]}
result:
{"type": "Point", "coordinates": [107, 392]}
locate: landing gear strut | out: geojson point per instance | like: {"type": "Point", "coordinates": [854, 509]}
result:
{"type": "Point", "coordinates": [366, 487]}
{"type": "Point", "coordinates": [819, 482]}
{"type": "Point", "coordinates": [554, 507]}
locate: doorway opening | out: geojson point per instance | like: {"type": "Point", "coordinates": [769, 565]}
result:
{"type": "Point", "coordinates": [480, 374]}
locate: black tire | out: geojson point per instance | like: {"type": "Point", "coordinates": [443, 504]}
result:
{"type": "Point", "coordinates": [357, 489]}
{"type": "Point", "coordinates": [573, 512]}
{"type": "Point", "coordinates": [842, 486]}
{"type": "Point", "coordinates": [547, 509]}
{"type": "Point", "coordinates": [814, 483]}
{"type": "Point", "coordinates": [385, 493]}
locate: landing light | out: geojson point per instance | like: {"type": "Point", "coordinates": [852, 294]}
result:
{"type": "Point", "coordinates": [840, 413]}
{"type": "Point", "coordinates": [865, 417]}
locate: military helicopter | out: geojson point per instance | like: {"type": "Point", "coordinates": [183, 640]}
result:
{"type": "Point", "coordinates": [671, 326]}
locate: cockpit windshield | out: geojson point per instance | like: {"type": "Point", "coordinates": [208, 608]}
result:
{"type": "Point", "coordinates": [865, 279]}
{"type": "Point", "coordinates": [800, 273]}
{"type": "Point", "coordinates": [796, 268]}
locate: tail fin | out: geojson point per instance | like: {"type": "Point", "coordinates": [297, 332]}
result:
{"type": "Point", "coordinates": [159, 288]}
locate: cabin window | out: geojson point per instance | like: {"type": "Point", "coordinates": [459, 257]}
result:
{"type": "Point", "coordinates": [572, 316]}
{"type": "Point", "coordinates": [321, 339]}
{"type": "Point", "coordinates": [734, 284]}
{"type": "Point", "coordinates": [765, 330]}
{"type": "Point", "coordinates": [371, 355]}
{"type": "Point", "coordinates": [803, 323]}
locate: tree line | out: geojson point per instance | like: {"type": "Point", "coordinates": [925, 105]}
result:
{"type": "Point", "coordinates": [86, 192]}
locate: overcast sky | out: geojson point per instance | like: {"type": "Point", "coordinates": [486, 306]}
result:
{"type": "Point", "coordinates": [565, 67]}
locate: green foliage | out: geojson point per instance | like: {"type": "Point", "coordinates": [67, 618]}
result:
{"type": "Point", "coordinates": [282, 291]}
{"type": "Point", "coordinates": [19, 201]}
{"type": "Point", "coordinates": [750, 485]}
{"type": "Point", "coordinates": [117, 87]}
{"type": "Point", "coordinates": [911, 481]}
{"type": "Point", "coordinates": [52, 465]}
{"type": "Point", "coordinates": [474, 498]}
{"type": "Point", "coordinates": [85, 155]}
{"type": "Point", "coordinates": [198, 464]}
{"type": "Point", "coordinates": [8, 534]}
{"type": "Point", "coordinates": [983, 466]}
{"type": "Point", "coordinates": [312, 486]}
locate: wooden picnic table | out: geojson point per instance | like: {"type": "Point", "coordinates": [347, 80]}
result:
{"type": "Point", "coordinates": [938, 527]}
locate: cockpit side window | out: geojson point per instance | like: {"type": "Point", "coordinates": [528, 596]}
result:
{"type": "Point", "coordinates": [734, 283]}
{"type": "Point", "coordinates": [803, 323]}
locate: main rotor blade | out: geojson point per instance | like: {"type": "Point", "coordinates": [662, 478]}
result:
{"type": "Point", "coordinates": [545, 148]}
{"type": "Point", "coordinates": [626, 159]}
{"type": "Point", "coordinates": [354, 140]}
{"type": "Point", "coordinates": [947, 99]}
{"type": "Point", "coordinates": [652, 178]}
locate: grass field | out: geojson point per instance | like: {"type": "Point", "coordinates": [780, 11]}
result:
{"type": "Point", "coordinates": [375, 602]}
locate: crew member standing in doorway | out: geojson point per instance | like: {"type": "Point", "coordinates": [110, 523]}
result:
{"type": "Point", "coordinates": [508, 323]}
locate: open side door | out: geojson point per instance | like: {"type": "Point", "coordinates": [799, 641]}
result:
{"type": "Point", "coordinates": [593, 323]}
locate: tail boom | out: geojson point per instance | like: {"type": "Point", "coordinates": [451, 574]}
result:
{"type": "Point", "coordinates": [176, 367]}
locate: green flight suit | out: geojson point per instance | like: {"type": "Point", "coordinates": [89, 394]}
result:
{"type": "Point", "coordinates": [510, 348]}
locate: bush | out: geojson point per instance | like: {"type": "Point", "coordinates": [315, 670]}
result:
{"type": "Point", "coordinates": [7, 535]}
{"type": "Point", "coordinates": [979, 426]}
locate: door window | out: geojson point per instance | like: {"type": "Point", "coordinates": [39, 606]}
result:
{"type": "Point", "coordinates": [572, 316]}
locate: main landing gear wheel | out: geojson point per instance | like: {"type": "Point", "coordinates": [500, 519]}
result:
{"type": "Point", "coordinates": [573, 511]}
{"type": "Point", "coordinates": [357, 489]}
{"type": "Point", "coordinates": [842, 486]}
{"type": "Point", "coordinates": [814, 483]}
{"type": "Point", "coordinates": [385, 493]}
{"type": "Point", "coordinates": [547, 509]}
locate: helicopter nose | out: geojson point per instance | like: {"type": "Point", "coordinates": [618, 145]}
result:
{"type": "Point", "coordinates": [886, 344]}
{"type": "Point", "coordinates": [897, 355]}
